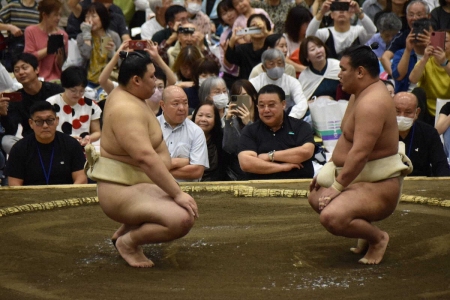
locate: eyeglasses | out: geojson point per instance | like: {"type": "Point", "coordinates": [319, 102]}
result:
{"type": "Point", "coordinates": [417, 16]}
{"type": "Point", "coordinates": [40, 123]}
{"type": "Point", "coordinates": [76, 92]}
{"type": "Point", "coordinates": [269, 106]}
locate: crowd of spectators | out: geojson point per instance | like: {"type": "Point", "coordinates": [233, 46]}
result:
{"type": "Point", "coordinates": [233, 80]}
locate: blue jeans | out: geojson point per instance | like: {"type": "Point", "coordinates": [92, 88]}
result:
{"type": "Point", "coordinates": [446, 135]}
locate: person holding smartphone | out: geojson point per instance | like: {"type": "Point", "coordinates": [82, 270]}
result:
{"type": "Point", "coordinates": [342, 34]}
{"type": "Point", "coordinates": [37, 37]}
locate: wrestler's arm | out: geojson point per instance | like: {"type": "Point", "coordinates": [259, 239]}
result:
{"type": "Point", "coordinates": [79, 177]}
{"type": "Point", "coordinates": [132, 135]}
{"type": "Point", "coordinates": [294, 155]}
{"type": "Point", "coordinates": [369, 122]}
{"type": "Point", "coordinates": [250, 162]}
{"type": "Point", "coordinates": [13, 181]}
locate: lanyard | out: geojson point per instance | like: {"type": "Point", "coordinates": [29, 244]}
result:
{"type": "Point", "coordinates": [47, 175]}
{"type": "Point", "coordinates": [411, 141]}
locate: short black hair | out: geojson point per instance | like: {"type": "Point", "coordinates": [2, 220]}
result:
{"type": "Point", "coordinates": [133, 64]}
{"type": "Point", "coordinates": [171, 11]}
{"type": "Point", "coordinates": [262, 17]}
{"type": "Point", "coordinates": [225, 6]}
{"type": "Point", "coordinates": [41, 106]}
{"type": "Point", "coordinates": [272, 40]}
{"type": "Point", "coordinates": [273, 89]}
{"type": "Point", "coordinates": [27, 58]}
{"type": "Point", "coordinates": [101, 10]}
{"type": "Point", "coordinates": [363, 56]}
{"type": "Point", "coordinates": [296, 17]}
{"type": "Point", "coordinates": [74, 76]}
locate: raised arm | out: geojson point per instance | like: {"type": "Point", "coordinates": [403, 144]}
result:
{"type": "Point", "coordinates": [103, 79]}
{"type": "Point", "coordinates": [152, 50]}
{"type": "Point", "coordinates": [419, 68]}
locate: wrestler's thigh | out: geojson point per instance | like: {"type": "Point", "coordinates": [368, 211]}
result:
{"type": "Point", "coordinates": [140, 203]}
{"type": "Point", "coordinates": [364, 200]}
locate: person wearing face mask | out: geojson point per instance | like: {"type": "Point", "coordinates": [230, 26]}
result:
{"type": "Point", "coordinates": [197, 17]}
{"type": "Point", "coordinates": [422, 142]}
{"type": "Point", "coordinates": [273, 64]}
{"type": "Point", "coordinates": [214, 89]}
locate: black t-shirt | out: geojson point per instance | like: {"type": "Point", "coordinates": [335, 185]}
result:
{"type": "Point", "coordinates": [245, 57]}
{"type": "Point", "coordinates": [19, 112]}
{"type": "Point", "coordinates": [162, 35]}
{"type": "Point", "coordinates": [25, 162]}
{"type": "Point", "coordinates": [424, 148]}
{"type": "Point", "coordinates": [445, 109]}
{"type": "Point", "coordinates": [259, 138]}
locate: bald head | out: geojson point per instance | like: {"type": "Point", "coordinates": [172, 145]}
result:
{"type": "Point", "coordinates": [170, 91]}
{"type": "Point", "coordinates": [406, 105]}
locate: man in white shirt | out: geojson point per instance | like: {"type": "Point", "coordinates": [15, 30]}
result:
{"type": "Point", "coordinates": [184, 139]}
{"type": "Point", "coordinates": [273, 64]}
{"type": "Point", "coordinates": [342, 35]}
{"type": "Point", "coordinates": [158, 22]}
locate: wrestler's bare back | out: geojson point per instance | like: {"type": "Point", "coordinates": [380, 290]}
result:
{"type": "Point", "coordinates": [110, 145]}
{"type": "Point", "coordinates": [383, 128]}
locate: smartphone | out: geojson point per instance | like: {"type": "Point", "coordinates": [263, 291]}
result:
{"type": "Point", "coordinates": [104, 42]}
{"type": "Point", "coordinates": [55, 41]}
{"type": "Point", "coordinates": [137, 45]}
{"type": "Point", "coordinates": [339, 6]}
{"type": "Point", "coordinates": [249, 30]}
{"type": "Point", "coordinates": [437, 39]}
{"type": "Point", "coordinates": [419, 27]}
{"type": "Point", "coordinates": [241, 100]}
{"type": "Point", "coordinates": [13, 97]}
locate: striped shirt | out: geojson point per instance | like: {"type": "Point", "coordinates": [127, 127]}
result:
{"type": "Point", "coordinates": [17, 14]}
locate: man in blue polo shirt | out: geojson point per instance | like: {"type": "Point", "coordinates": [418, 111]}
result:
{"type": "Point", "coordinates": [276, 146]}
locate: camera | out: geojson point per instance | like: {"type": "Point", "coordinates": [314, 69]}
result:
{"type": "Point", "coordinates": [186, 30]}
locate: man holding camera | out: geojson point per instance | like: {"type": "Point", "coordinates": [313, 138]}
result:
{"type": "Point", "coordinates": [342, 35]}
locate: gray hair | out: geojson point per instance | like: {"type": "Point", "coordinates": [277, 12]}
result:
{"type": "Point", "coordinates": [207, 86]}
{"type": "Point", "coordinates": [271, 54]}
{"type": "Point", "coordinates": [389, 22]}
{"type": "Point", "coordinates": [154, 4]}
{"type": "Point", "coordinates": [427, 8]}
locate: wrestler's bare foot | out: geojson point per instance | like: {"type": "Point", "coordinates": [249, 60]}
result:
{"type": "Point", "coordinates": [361, 247]}
{"type": "Point", "coordinates": [376, 251]}
{"type": "Point", "coordinates": [135, 257]}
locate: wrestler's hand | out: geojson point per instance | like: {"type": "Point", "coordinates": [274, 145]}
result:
{"type": "Point", "coordinates": [186, 201]}
{"type": "Point", "coordinates": [326, 196]}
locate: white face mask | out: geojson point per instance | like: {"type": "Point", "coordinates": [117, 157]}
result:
{"type": "Point", "coordinates": [275, 73]}
{"type": "Point", "coordinates": [220, 100]}
{"type": "Point", "coordinates": [156, 97]}
{"type": "Point", "coordinates": [193, 8]}
{"type": "Point", "coordinates": [201, 80]}
{"type": "Point", "coordinates": [404, 123]}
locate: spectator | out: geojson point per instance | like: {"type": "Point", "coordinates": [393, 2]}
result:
{"type": "Point", "coordinates": [185, 37]}
{"type": "Point", "coordinates": [388, 25]}
{"type": "Point", "coordinates": [236, 120]}
{"type": "Point", "coordinates": [372, 7]}
{"type": "Point", "coordinates": [276, 146]}
{"type": "Point", "coordinates": [214, 89]}
{"type": "Point", "coordinates": [273, 66]}
{"type": "Point", "coordinates": [81, 8]}
{"type": "Point", "coordinates": [440, 16]}
{"type": "Point", "coordinates": [207, 117]}
{"type": "Point", "coordinates": [78, 116]}
{"type": "Point", "coordinates": [152, 26]}
{"type": "Point", "coordinates": [405, 59]}
{"type": "Point", "coordinates": [97, 44]}
{"type": "Point", "coordinates": [245, 10]}
{"type": "Point", "coordinates": [203, 69]}
{"type": "Point", "coordinates": [175, 16]}
{"type": "Point", "coordinates": [416, 9]}
{"type": "Point", "coordinates": [442, 127]}
{"type": "Point", "coordinates": [183, 67]}
{"type": "Point", "coordinates": [422, 142]}
{"type": "Point", "coordinates": [14, 18]}
{"type": "Point", "coordinates": [390, 87]}
{"type": "Point", "coordinates": [297, 21]}
{"type": "Point", "coordinates": [197, 17]}
{"type": "Point", "coordinates": [26, 71]}
{"type": "Point", "coordinates": [275, 41]}
{"type": "Point", "coordinates": [321, 75]}
{"type": "Point", "coordinates": [37, 36]}
{"type": "Point", "coordinates": [47, 156]}
{"type": "Point", "coordinates": [432, 73]}
{"type": "Point", "coordinates": [227, 16]}
{"type": "Point", "coordinates": [4, 102]}
{"type": "Point", "coordinates": [209, 7]}
{"type": "Point", "coordinates": [277, 11]}
{"type": "Point", "coordinates": [248, 55]}
{"type": "Point", "coordinates": [184, 139]}
{"type": "Point", "coordinates": [342, 35]}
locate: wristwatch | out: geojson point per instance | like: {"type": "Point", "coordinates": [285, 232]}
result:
{"type": "Point", "coordinates": [271, 155]}
{"type": "Point", "coordinates": [359, 13]}
{"type": "Point", "coordinates": [445, 64]}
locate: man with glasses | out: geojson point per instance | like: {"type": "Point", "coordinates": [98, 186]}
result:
{"type": "Point", "coordinates": [26, 71]}
{"type": "Point", "coordinates": [47, 156]}
{"type": "Point", "coordinates": [276, 146]}
{"type": "Point", "coordinates": [135, 187]}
